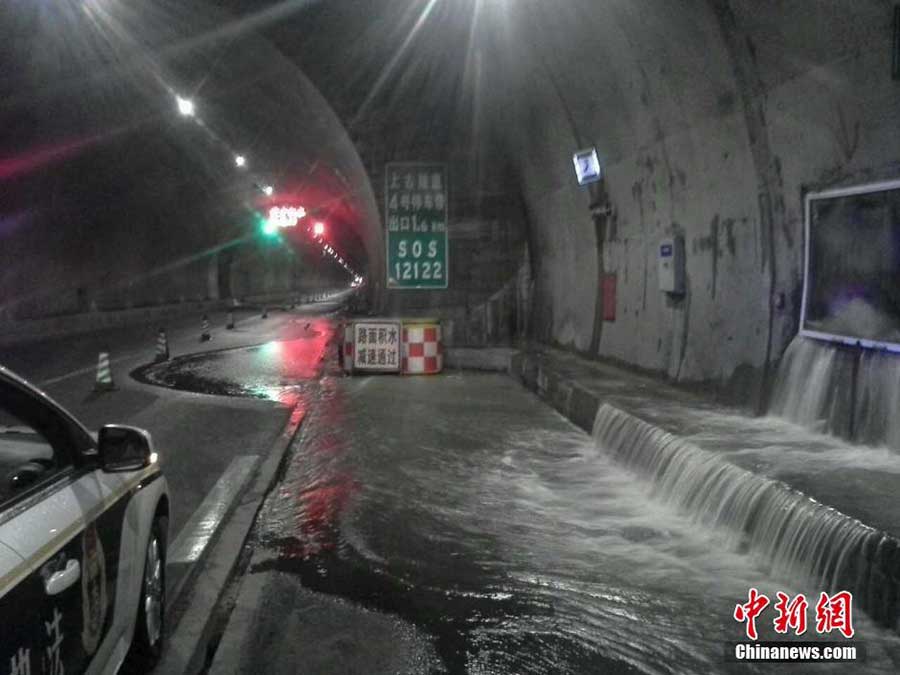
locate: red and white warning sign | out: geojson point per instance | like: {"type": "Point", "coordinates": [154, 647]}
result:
{"type": "Point", "coordinates": [376, 346]}
{"type": "Point", "coordinates": [423, 351]}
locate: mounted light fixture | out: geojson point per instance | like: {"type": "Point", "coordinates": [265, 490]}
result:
{"type": "Point", "coordinates": [185, 106]}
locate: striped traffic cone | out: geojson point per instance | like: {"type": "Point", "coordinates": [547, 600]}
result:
{"type": "Point", "coordinates": [230, 325]}
{"type": "Point", "coordinates": [205, 336]}
{"type": "Point", "coordinates": [104, 374]}
{"type": "Point", "coordinates": [265, 313]}
{"type": "Point", "coordinates": [162, 346]}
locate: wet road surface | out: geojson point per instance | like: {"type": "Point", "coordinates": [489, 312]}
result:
{"type": "Point", "coordinates": [472, 529]}
{"type": "Point", "coordinates": [279, 369]}
{"type": "Point", "coordinates": [199, 437]}
{"type": "Point", "coordinates": [453, 524]}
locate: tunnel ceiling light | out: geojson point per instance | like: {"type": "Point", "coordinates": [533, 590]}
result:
{"type": "Point", "coordinates": [319, 228]}
{"type": "Point", "coordinates": [268, 190]}
{"type": "Point", "coordinates": [240, 161]}
{"type": "Point", "coordinates": [185, 106]}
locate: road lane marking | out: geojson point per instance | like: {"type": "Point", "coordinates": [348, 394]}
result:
{"type": "Point", "coordinates": [199, 530]}
{"type": "Point", "coordinates": [135, 354]}
{"type": "Point", "coordinates": [124, 357]}
{"type": "Point", "coordinates": [86, 370]}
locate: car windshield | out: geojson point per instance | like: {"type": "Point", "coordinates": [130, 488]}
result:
{"type": "Point", "coordinates": [522, 336]}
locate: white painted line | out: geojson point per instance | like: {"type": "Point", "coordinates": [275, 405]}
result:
{"type": "Point", "coordinates": [199, 530]}
{"type": "Point", "coordinates": [86, 370]}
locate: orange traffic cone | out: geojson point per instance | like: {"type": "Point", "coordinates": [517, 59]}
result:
{"type": "Point", "coordinates": [104, 374]}
{"type": "Point", "coordinates": [205, 336]}
{"type": "Point", "coordinates": [162, 346]}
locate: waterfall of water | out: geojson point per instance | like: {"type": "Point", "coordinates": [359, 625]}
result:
{"type": "Point", "coordinates": [877, 421]}
{"type": "Point", "coordinates": [789, 534]}
{"type": "Point", "coordinates": [852, 393]}
{"type": "Point", "coordinates": [813, 386]}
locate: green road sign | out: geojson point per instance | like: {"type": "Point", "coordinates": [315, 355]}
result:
{"type": "Point", "coordinates": [415, 204]}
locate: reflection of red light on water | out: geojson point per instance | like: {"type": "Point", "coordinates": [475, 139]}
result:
{"type": "Point", "coordinates": [301, 359]}
{"type": "Point", "coordinates": [320, 511]}
{"type": "Point", "coordinates": [292, 399]}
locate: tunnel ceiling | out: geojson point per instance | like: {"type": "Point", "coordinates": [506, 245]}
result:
{"type": "Point", "coordinates": [381, 62]}
{"type": "Point", "coordinates": [98, 166]}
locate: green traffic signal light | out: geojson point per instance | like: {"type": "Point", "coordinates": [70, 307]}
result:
{"type": "Point", "coordinates": [267, 228]}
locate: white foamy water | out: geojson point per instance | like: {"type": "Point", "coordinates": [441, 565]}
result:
{"type": "Point", "coordinates": [787, 533]}
{"type": "Point", "coordinates": [832, 389]}
{"type": "Point", "coordinates": [644, 559]}
{"type": "Point", "coordinates": [803, 390]}
{"type": "Point", "coordinates": [524, 546]}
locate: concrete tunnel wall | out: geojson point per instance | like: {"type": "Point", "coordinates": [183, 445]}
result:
{"type": "Point", "coordinates": [711, 119]}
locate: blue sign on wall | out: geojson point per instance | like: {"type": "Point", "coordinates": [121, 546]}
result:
{"type": "Point", "coordinates": [587, 166]}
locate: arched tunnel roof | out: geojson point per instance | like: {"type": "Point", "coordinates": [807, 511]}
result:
{"type": "Point", "coordinates": [99, 102]}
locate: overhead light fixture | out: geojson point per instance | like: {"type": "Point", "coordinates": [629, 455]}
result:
{"type": "Point", "coordinates": [185, 106]}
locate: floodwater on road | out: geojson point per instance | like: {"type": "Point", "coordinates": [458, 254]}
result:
{"type": "Point", "coordinates": [468, 508]}
{"type": "Point", "coordinates": [278, 370]}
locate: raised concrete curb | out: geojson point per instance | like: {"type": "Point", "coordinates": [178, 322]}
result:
{"type": "Point", "coordinates": [566, 396]}
{"type": "Point", "coordinates": [494, 359]}
{"type": "Point", "coordinates": [189, 639]}
{"type": "Point", "coordinates": [569, 398]}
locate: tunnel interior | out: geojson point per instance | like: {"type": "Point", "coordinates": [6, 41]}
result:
{"type": "Point", "coordinates": [113, 199]}
{"type": "Point", "coordinates": [737, 253]}
{"type": "Point", "coordinates": [711, 120]}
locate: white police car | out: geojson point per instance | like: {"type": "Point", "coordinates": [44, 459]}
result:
{"type": "Point", "coordinates": [83, 531]}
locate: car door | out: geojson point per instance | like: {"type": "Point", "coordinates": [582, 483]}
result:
{"type": "Point", "coordinates": [57, 602]}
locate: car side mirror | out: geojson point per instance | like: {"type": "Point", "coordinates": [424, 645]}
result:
{"type": "Point", "coordinates": [123, 448]}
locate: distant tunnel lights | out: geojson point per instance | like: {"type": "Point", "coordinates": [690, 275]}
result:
{"type": "Point", "coordinates": [319, 228]}
{"type": "Point", "coordinates": [268, 190]}
{"type": "Point", "coordinates": [240, 161]}
{"type": "Point", "coordinates": [286, 216]}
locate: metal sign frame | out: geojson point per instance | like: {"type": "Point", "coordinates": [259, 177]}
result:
{"type": "Point", "coordinates": [882, 186]}
{"type": "Point", "coordinates": [387, 234]}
